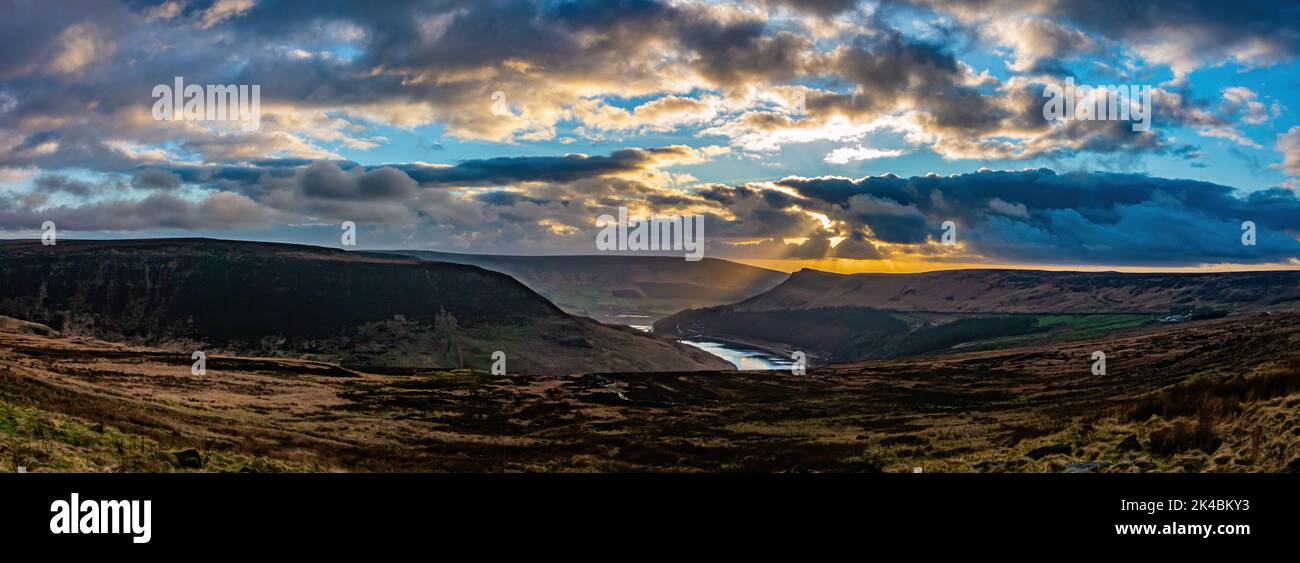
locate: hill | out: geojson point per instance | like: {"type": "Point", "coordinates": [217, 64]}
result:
{"type": "Point", "coordinates": [371, 312]}
{"type": "Point", "coordinates": [837, 318]}
{"type": "Point", "coordinates": [623, 289]}
{"type": "Point", "coordinates": [1032, 291]}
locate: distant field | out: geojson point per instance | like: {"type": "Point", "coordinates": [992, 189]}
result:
{"type": "Point", "coordinates": [1063, 328]}
{"type": "Point", "coordinates": [839, 334]}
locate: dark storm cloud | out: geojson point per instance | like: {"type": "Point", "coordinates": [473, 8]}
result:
{"type": "Point", "coordinates": [1190, 33]}
{"type": "Point", "coordinates": [73, 98]}
{"type": "Point", "coordinates": [327, 181]}
{"type": "Point", "coordinates": [344, 180]}
{"type": "Point", "coordinates": [568, 168]}
{"type": "Point", "coordinates": [415, 63]}
{"type": "Point", "coordinates": [159, 211]}
{"type": "Point", "coordinates": [56, 183]}
{"type": "Point", "coordinates": [506, 199]}
{"type": "Point", "coordinates": [156, 179]}
{"type": "Point", "coordinates": [28, 26]}
{"type": "Point", "coordinates": [890, 221]}
{"type": "Point", "coordinates": [743, 52]}
{"type": "Point", "coordinates": [1210, 23]}
{"type": "Point", "coordinates": [892, 67]}
{"type": "Point", "coordinates": [1041, 216]}
{"type": "Point", "coordinates": [819, 7]}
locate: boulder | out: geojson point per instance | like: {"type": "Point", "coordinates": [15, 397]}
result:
{"type": "Point", "coordinates": [189, 459]}
{"type": "Point", "coordinates": [1130, 443]}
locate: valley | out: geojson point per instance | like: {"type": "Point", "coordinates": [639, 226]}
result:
{"type": "Point", "coordinates": [328, 361]}
{"type": "Point", "coordinates": [837, 318]}
{"type": "Point", "coordinates": [623, 289]}
{"type": "Point", "coordinates": [378, 313]}
{"type": "Point", "coordinates": [1214, 395]}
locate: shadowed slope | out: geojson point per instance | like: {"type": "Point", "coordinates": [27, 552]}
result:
{"type": "Point", "coordinates": [276, 299]}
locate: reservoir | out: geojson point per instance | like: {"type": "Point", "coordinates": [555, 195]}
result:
{"type": "Point", "coordinates": [744, 357]}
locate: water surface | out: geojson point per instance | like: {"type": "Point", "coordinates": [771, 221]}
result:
{"type": "Point", "coordinates": [744, 357]}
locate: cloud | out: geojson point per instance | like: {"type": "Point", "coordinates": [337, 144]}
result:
{"type": "Point", "coordinates": [692, 79]}
{"type": "Point", "coordinates": [83, 45]}
{"type": "Point", "coordinates": [332, 72]}
{"type": "Point", "coordinates": [58, 183]}
{"type": "Point", "coordinates": [219, 11]}
{"type": "Point", "coordinates": [220, 211]}
{"type": "Point", "coordinates": [1289, 145]}
{"type": "Point", "coordinates": [328, 72]}
{"type": "Point", "coordinates": [661, 114]}
{"type": "Point", "coordinates": [567, 168]}
{"type": "Point", "coordinates": [156, 179]}
{"type": "Point", "coordinates": [548, 204]}
{"type": "Point", "coordinates": [1036, 41]}
{"type": "Point", "coordinates": [1038, 216]}
{"type": "Point", "coordinates": [819, 7]}
{"type": "Point", "coordinates": [845, 155]}
{"type": "Point", "coordinates": [327, 181]}
{"type": "Point", "coordinates": [1181, 35]}
{"type": "Point", "coordinates": [1244, 104]}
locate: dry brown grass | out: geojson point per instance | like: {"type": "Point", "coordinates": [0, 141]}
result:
{"type": "Point", "coordinates": [978, 411]}
{"type": "Point", "coordinates": [1219, 396]}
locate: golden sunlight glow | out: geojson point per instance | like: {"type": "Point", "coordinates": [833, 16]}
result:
{"type": "Point", "coordinates": [776, 188]}
{"type": "Point", "coordinates": [916, 265]}
{"type": "Point", "coordinates": [557, 228]}
{"type": "Point", "coordinates": [821, 218]}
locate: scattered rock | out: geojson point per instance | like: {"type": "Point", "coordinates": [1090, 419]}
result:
{"type": "Point", "coordinates": [1129, 444]}
{"type": "Point", "coordinates": [1040, 453]}
{"type": "Point", "coordinates": [188, 459]}
{"type": "Point", "coordinates": [904, 439]}
{"type": "Point", "coordinates": [1086, 467]}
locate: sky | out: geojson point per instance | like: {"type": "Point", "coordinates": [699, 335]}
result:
{"type": "Point", "coordinates": [836, 134]}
